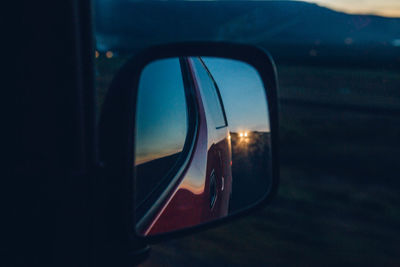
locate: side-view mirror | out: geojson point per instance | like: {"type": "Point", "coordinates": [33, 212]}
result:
{"type": "Point", "coordinates": [189, 138]}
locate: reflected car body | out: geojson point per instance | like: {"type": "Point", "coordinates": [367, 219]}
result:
{"type": "Point", "coordinates": [201, 190]}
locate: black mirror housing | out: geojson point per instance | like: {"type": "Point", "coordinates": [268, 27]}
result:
{"type": "Point", "coordinates": [117, 126]}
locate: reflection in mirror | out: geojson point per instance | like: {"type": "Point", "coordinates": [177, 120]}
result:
{"type": "Point", "coordinates": [202, 142]}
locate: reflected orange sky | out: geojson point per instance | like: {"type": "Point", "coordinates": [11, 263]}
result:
{"type": "Point", "coordinates": [386, 8]}
{"type": "Point", "coordinates": [149, 156]}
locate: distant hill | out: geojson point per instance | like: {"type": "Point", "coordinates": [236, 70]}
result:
{"type": "Point", "coordinates": [299, 22]}
{"type": "Point", "coordinates": [316, 32]}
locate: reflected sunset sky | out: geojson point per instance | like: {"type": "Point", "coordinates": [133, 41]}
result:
{"type": "Point", "coordinates": [242, 93]}
{"type": "Point", "coordinates": [161, 124]}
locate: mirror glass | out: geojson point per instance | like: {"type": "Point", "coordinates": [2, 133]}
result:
{"type": "Point", "coordinates": [202, 142]}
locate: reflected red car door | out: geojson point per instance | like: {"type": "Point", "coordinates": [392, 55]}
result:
{"type": "Point", "coordinates": [202, 191]}
{"type": "Point", "coordinates": [218, 177]}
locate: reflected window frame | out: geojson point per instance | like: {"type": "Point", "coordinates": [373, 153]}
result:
{"type": "Point", "coordinates": [145, 209]}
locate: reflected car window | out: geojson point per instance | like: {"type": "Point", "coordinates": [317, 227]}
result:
{"type": "Point", "coordinates": [209, 94]}
{"type": "Point", "coordinates": [161, 123]}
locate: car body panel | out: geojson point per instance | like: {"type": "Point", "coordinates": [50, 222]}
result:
{"type": "Point", "coordinates": [209, 160]}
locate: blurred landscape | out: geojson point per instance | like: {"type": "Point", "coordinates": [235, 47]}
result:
{"type": "Point", "coordinates": [338, 202]}
{"type": "Point", "coordinates": [251, 172]}
{"type": "Point", "coordinates": [293, 31]}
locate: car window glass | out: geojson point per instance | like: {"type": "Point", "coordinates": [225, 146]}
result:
{"type": "Point", "coordinates": [161, 123]}
{"type": "Point", "coordinates": [209, 94]}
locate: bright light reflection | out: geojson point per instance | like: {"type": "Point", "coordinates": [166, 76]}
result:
{"type": "Point", "coordinates": [109, 54]}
